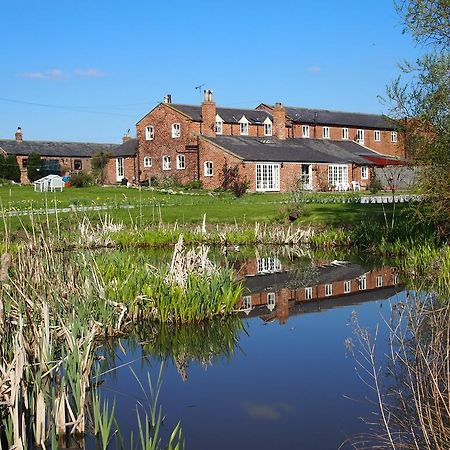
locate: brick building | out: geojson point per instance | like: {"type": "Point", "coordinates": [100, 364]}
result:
{"type": "Point", "coordinates": [74, 157]}
{"type": "Point", "coordinates": [274, 147]}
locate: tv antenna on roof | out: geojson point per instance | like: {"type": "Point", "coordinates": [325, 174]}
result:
{"type": "Point", "coordinates": [199, 88]}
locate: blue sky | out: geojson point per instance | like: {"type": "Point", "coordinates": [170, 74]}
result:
{"type": "Point", "coordinates": [101, 65]}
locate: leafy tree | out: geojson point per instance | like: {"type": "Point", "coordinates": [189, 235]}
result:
{"type": "Point", "coordinates": [2, 168]}
{"type": "Point", "coordinates": [12, 169]}
{"type": "Point", "coordinates": [422, 105]}
{"type": "Point", "coordinates": [34, 167]}
{"type": "Point", "coordinates": [98, 163]}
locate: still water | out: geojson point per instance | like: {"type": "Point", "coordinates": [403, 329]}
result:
{"type": "Point", "coordinates": [277, 377]}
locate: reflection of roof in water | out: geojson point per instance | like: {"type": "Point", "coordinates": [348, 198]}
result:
{"type": "Point", "coordinates": [296, 308]}
{"type": "Point", "coordinates": [319, 275]}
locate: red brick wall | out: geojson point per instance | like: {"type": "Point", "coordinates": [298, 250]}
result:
{"type": "Point", "coordinates": [162, 118]}
{"type": "Point", "coordinates": [129, 168]}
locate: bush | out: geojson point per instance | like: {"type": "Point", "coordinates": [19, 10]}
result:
{"type": "Point", "coordinates": [12, 169]}
{"type": "Point", "coordinates": [239, 187]}
{"type": "Point", "coordinates": [194, 184]}
{"type": "Point", "coordinates": [374, 185]}
{"type": "Point", "coordinates": [81, 179]}
{"type": "Point", "coordinates": [169, 182]}
{"type": "Point", "coordinates": [34, 167]}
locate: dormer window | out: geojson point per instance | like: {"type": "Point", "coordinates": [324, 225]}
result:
{"type": "Point", "coordinates": [149, 133]}
{"type": "Point", "coordinates": [305, 131]}
{"type": "Point", "coordinates": [267, 127]}
{"type": "Point", "coordinates": [218, 125]}
{"type": "Point", "coordinates": [244, 126]}
{"type": "Point", "coordinates": [176, 130]}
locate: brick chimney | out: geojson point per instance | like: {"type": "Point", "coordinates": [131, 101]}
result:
{"type": "Point", "coordinates": [126, 137]}
{"type": "Point", "coordinates": [279, 121]}
{"type": "Point", "coordinates": [208, 114]}
{"type": "Point", "coordinates": [19, 135]}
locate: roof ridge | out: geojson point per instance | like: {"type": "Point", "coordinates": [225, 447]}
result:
{"type": "Point", "coordinates": [58, 142]}
{"type": "Point", "coordinates": [336, 111]}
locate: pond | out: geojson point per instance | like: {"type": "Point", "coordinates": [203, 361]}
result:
{"type": "Point", "coordinates": [278, 376]}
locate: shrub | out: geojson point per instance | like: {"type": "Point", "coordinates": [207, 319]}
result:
{"type": "Point", "coordinates": [34, 167]}
{"type": "Point", "coordinates": [81, 179]}
{"type": "Point", "coordinates": [232, 181]}
{"type": "Point", "coordinates": [99, 163]}
{"type": "Point", "coordinates": [194, 184]}
{"type": "Point", "coordinates": [374, 185]}
{"type": "Point", "coordinates": [169, 182]}
{"type": "Point", "coordinates": [239, 187]}
{"type": "Point", "coordinates": [12, 169]}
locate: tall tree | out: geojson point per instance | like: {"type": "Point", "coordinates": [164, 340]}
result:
{"type": "Point", "coordinates": [98, 163]}
{"type": "Point", "coordinates": [422, 105]}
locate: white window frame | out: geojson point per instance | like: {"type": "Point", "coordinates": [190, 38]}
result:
{"type": "Point", "coordinates": [326, 132]}
{"type": "Point", "coordinates": [247, 302]}
{"type": "Point", "coordinates": [377, 136]}
{"type": "Point", "coordinates": [360, 135]}
{"type": "Point", "coordinates": [208, 168]}
{"type": "Point", "coordinates": [345, 134]}
{"type": "Point", "coordinates": [305, 131]}
{"type": "Point", "coordinates": [268, 265]}
{"type": "Point", "coordinates": [328, 290]}
{"type": "Point", "coordinates": [243, 126]}
{"type": "Point", "coordinates": [267, 177]}
{"type": "Point", "coordinates": [395, 279]}
{"type": "Point", "coordinates": [149, 133]}
{"type": "Point", "coordinates": [308, 293]}
{"type": "Point", "coordinates": [337, 174]}
{"type": "Point", "coordinates": [176, 130]}
{"type": "Point", "coordinates": [271, 300]}
{"type": "Point", "coordinates": [218, 125]}
{"type": "Point", "coordinates": [347, 286]}
{"type": "Point", "coordinates": [379, 282]}
{"type": "Point", "coordinates": [364, 173]}
{"type": "Point", "coordinates": [166, 161]}
{"type": "Point", "coordinates": [394, 136]}
{"type": "Point", "coordinates": [268, 129]}
{"type": "Point", "coordinates": [147, 162]}
{"type": "Point", "coordinates": [120, 169]}
{"type": "Point", "coordinates": [181, 162]}
{"type": "Point", "coordinates": [362, 283]}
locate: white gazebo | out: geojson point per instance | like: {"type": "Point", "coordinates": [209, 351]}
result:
{"type": "Point", "coordinates": [49, 183]}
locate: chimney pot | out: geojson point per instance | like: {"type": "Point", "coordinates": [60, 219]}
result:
{"type": "Point", "coordinates": [19, 134]}
{"type": "Point", "coordinates": [208, 96]}
{"type": "Point", "coordinates": [168, 98]}
{"type": "Point", "coordinates": [126, 137]}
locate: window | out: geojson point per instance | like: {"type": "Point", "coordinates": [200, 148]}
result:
{"type": "Point", "coordinates": [166, 162]}
{"type": "Point", "coordinates": [181, 162]}
{"type": "Point", "coordinates": [362, 283]}
{"type": "Point", "coordinates": [176, 130]}
{"type": "Point", "coordinates": [328, 290]}
{"type": "Point", "coordinates": [360, 136]}
{"type": "Point", "coordinates": [25, 163]}
{"type": "Point", "coordinates": [395, 279]}
{"type": "Point", "coordinates": [337, 174]}
{"type": "Point", "coordinates": [267, 177]}
{"type": "Point", "coordinates": [271, 300]}
{"type": "Point", "coordinates": [244, 126]}
{"type": "Point", "coordinates": [394, 136]}
{"type": "Point", "coordinates": [247, 302]}
{"type": "Point", "coordinates": [344, 133]}
{"type": "Point", "coordinates": [305, 131]}
{"type": "Point", "coordinates": [364, 173]}
{"type": "Point", "coordinates": [120, 173]}
{"type": "Point", "coordinates": [267, 127]}
{"type": "Point", "coordinates": [377, 135]}
{"type": "Point", "coordinates": [77, 164]}
{"type": "Point", "coordinates": [347, 287]}
{"type": "Point", "coordinates": [218, 125]}
{"type": "Point", "coordinates": [268, 265]}
{"type": "Point", "coordinates": [326, 132]}
{"type": "Point", "coordinates": [308, 293]}
{"type": "Point", "coordinates": [147, 161]}
{"type": "Point", "coordinates": [379, 281]}
{"type": "Point", "coordinates": [149, 133]}
{"type": "Point", "coordinates": [208, 169]}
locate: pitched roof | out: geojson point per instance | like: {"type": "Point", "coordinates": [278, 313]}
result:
{"type": "Point", "coordinates": [340, 118]}
{"type": "Point", "coordinates": [228, 115]}
{"type": "Point", "coordinates": [55, 149]}
{"type": "Point", "coordinates": [128, 148]}
{"type": "Point", "coordinates": [302, 150]}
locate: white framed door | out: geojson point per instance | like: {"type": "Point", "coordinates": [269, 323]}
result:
{"type": "Point", "coordinates": [119, 169]}
{"type": "Point", "coordinates": [306, 177]}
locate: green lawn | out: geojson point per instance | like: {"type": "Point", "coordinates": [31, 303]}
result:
{"type": "Point", "coordinates": [152, 206]}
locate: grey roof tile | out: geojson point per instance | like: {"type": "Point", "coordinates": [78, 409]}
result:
{"type": "Point", "coordinates": [300, 150]}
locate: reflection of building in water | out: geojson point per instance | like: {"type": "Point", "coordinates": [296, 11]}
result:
{"type": "Point", "coordinates": [275, 292]}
